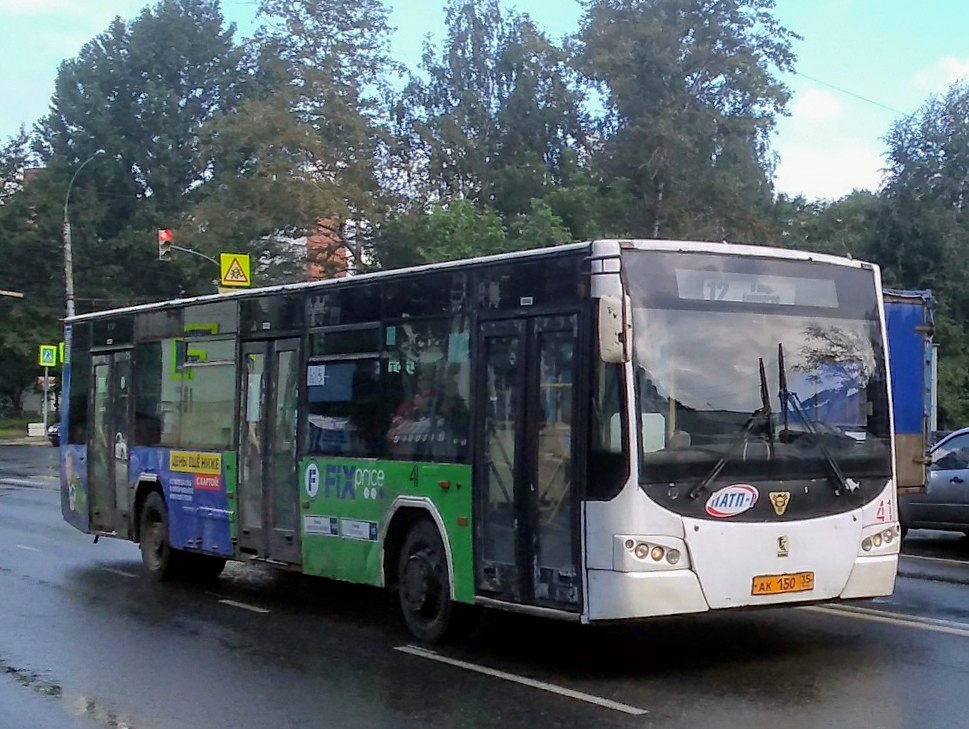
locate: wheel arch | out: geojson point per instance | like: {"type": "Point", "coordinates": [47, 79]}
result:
{"type": "Point", "coordinates": [403, 513]}
{"type": "Point", "coordinates": [147, 483]}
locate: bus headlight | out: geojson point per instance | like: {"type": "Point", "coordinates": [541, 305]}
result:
{"type": "Point", "coordinates": [648, 554]}
{"type": "Point", "coordinates": [879, 539]}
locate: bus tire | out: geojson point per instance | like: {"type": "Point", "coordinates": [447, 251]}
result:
{"type": "Point", "coordinates": [158, 557]}
{"type": "Point", "coordinates": [423, 584]}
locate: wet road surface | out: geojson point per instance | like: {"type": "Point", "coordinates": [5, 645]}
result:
{"type": "Point", "coordinates": [87, 641]}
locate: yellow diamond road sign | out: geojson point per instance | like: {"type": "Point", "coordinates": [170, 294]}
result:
{"type": "Point", "coordinates": [47, 355]}
{"type": "Point", "coordinates": [235, 270]}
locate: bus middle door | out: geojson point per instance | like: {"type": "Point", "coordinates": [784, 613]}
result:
{"type": "Point", "coordinates": [268, 492]}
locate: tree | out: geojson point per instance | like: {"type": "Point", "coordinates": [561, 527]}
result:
{"type": "Point", "coordinates": [690, 98]}
{"type": "Point", "coordinates": [499, 117]}
{"type": "Point", "coordinates": [142, 91]}
{"type": "Point", "coordinates": [923, 231]}
{"type": "Point", "coordinates": [14, 158]}
{"type": "Point", "coordinates": [32, 264]}
{"type": "Point", "coordinates": [444, 233]}
{"type": "Point", "coordinates": [305, 143]}
{"type": "Point", "coordinates": [845, 227]}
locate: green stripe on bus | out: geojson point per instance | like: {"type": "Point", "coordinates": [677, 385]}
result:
{"type": "Point", "coordinates": [345, 504]}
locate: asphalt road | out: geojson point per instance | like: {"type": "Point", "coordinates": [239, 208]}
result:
{"type": "Point", "coordinates": [86, 641]}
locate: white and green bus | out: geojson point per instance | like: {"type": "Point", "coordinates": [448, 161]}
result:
{"type": "Point", "coordinates": [601, 431]}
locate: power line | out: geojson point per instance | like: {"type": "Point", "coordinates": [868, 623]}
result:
{"type": "Point", "coordinates": [852, 93]}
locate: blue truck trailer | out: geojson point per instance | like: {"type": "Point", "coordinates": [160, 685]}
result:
{"type": "Point", "coordinates": [913, 364]}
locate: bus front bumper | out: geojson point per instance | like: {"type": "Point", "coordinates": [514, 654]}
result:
{"type": "Point", "coordinates": [631, 595]}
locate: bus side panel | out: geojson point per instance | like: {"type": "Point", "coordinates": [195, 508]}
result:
{"type": "Point", "coordinates": [196, 487]}
{"type": "Point", "coordinates": [344, 506]}
{"type": "Point", "coordinates": [73, 462]}
{"type": "Point", "coordinates": [74, 486]}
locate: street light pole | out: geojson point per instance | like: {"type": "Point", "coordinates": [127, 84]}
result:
{"type": "Point", "coordinates": [68, 255]}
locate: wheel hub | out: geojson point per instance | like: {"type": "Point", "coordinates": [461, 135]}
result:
{"type": "Point", "coordinates": [419, 585]}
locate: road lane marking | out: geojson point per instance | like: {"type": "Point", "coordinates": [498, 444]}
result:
{"type": "Point", "coordinates": [25, 547]}
{"type": "Point", "coordinates": [113, 571]}
{"type": "Point", "coordinates": [530, 682]}
{"type": "Point", "coordinates": [934, 625]}
{"type": "Point", "coordinates": [252, 608]}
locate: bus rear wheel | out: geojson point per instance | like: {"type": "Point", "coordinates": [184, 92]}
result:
{"type": "Point", "coordinates": [423, 585]}
{"type": "Point", "coordinates": [159, 559]}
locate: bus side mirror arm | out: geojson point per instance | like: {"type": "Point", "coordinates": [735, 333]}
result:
{"type": "Point", "coordinates": [614, 329]}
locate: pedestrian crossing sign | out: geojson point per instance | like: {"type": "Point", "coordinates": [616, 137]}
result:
{"type": "Point", "coordinates": [234, 270]}
{"type": "Point", "coordinates": [47, 355]}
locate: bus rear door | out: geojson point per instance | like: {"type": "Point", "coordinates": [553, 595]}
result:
{"type": "Point", "coordinates": [108, 442]}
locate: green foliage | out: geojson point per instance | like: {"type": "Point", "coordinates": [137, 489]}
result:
{"type": "Point", "coordinates": [539, 228]}
{"type": "Point", "coordinates": [653, 120]}
{"type": "Point", "coordinates": [498, 118]}
{"type": "Point", "coordinates": [690, 99]}
{"type": "Point", "coordinates": [922, 233]}
{"type": "Point", "coordinates": [303, 145]}
{"type": "Point", "coordinates": [14, 158]}
{"type": "Point", "coordinates": [845, 227]}
{"type": "Point", "coordinates": [444, 233]}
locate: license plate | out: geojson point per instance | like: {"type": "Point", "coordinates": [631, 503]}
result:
{"type": "Point", "coordinates": [779, 584]}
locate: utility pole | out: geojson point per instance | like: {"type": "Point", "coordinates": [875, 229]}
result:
{"type": "Point", "coordinates": [68, 254]}
{"type": "Point", "coordinates": [11, 294]}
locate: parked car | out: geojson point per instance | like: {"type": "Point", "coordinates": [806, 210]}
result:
{"type": "Point", "coordinates": [945, 503]}
{"type": "Point", "coordinates": [54, 434]}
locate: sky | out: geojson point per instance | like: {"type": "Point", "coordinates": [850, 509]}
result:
{"type": "Point", "coordinates": [862, 65]}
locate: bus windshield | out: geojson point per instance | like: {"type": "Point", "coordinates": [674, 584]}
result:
{"type": "Point", "coordinates": [757, 368]}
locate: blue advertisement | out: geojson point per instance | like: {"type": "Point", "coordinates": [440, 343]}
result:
{"type": "Point", "coordinates": [74, 487]}
{"type": "Point", "coordinates": [194, 487]}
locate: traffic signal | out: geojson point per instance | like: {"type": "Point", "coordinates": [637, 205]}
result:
{"type": "Point", "coordinates": [164, 245]}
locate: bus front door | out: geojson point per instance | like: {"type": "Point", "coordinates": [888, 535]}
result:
{"type": "Point", "coordinates": [526, 470]}
{"type": "Point", "coordinates": [107, 446]}
{"type": "Point", "coordinates": [268, 494]}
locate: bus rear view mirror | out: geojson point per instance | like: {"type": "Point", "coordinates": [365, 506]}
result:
{"type": "Point", "coordinates": [614, 334]}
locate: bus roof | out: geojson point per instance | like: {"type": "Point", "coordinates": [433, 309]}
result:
{"type": "Point", "coordinates": [669, 245]}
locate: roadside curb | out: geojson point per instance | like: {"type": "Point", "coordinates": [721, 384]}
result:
{"type": "Point", "coordinates": [39, 440]}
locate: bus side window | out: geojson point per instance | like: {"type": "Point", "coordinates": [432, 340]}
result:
{"type": "Point", "coordinates": [149, 387]}
{"type": "Point", "coordinates": [77, 407]}
{"type": "Point", "coordinates": [206, 410]}
{"type": "Point", "coordinates": [426, 389]}
{"type": "Point", "coordinates": [344, 410]}
{"type": "Point", "coordinates": [608, 460]}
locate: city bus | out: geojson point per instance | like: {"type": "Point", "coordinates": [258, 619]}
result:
{"type": "Point", "coordinates": [594, 432]}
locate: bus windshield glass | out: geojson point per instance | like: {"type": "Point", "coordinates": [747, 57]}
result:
{"type": "Point", "coordinates": [757, 369]}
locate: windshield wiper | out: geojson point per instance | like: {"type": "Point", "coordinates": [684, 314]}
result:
{"type": "Point", "coordinates": [761, 416]}
{"type": "Point", "coordinates": [789, 398]}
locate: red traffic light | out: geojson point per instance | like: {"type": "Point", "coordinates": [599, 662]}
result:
{"type": "Point", "coordinates": [164, 245]}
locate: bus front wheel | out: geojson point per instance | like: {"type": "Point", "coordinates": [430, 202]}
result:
{"type": "Point", "coordinates": [423, 585]}
{"type": "Point", "coordinates": [159, 558]}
